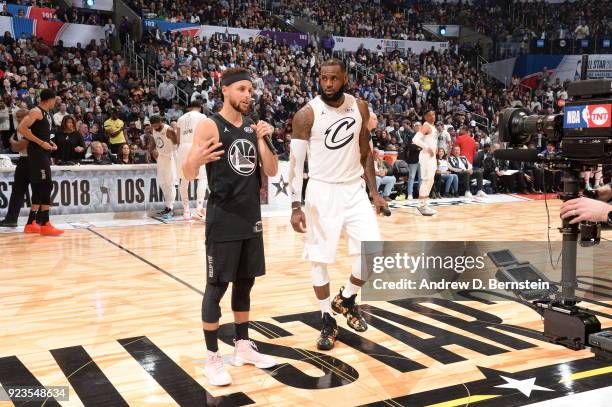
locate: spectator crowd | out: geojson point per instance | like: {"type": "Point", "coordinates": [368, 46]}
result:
{"type": "Point", "coordinates": [73, 15]}
{"type": "Point", "coordinates": [103, 110]}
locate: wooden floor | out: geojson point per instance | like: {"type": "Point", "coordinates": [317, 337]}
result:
{"type": "Point", "coordinates": [114, 313]}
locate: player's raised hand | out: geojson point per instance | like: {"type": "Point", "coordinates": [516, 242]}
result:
{"type": "Point", "coordinates": [206, 152]}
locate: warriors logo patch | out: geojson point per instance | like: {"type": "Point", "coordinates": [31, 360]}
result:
{"type": "Point", "coordinates": [242, 157]}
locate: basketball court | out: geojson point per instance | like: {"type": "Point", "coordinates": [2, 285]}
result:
{"type": "Point", "coordinates": [113, 312]}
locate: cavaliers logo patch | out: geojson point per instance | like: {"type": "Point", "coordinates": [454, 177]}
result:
{"type": "Point", "coordinates": [242, 157]}
{"type": "Point", "coordinates": [339, 134]}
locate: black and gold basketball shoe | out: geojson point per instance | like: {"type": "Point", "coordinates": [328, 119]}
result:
{"type": "Point", "coordinates": [348, 308]}
{"type": "Point", "coordinates": [329, 333]}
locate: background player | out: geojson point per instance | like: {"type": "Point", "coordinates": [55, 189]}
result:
{"type": "Point", "coordinates": [234, 239]}
{"type": "Point", "coordinates": [165, 140]}
{"type": "Point", "coordinates": [36, 127]}
{"type": "Point", "coordinates": [186, 125]}
{"type": "Point", "coordinates": [427, 139]}
{"type": "Point", "coordinates": [333, 129]}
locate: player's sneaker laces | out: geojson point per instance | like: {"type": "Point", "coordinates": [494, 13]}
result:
{"type": "Point", "coordinates": [329, 333]}
{"type": "Point", "coordinates": [245, 352]}
{"type": "Point", "coordinates": [215, 370]}
{"type": "Point", "coordinates": [348, 308]}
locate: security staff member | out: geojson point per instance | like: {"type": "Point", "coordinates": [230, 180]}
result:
{"type": "Point", "coordinates": [21, 177]}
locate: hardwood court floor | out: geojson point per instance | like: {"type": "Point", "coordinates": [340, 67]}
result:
{"type": "Point", "coordinates": [114, 313]}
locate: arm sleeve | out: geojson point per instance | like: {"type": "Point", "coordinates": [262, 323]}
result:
{"type": "Point", "coordinates": [297, 156]}
{"type": "Point", "coordinates": [418, 140]}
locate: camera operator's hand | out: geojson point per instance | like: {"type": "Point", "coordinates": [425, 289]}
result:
{"type": "Point", "coordinates": [585, 209]}
{"type": "Point", "coordinates": [604, 193]}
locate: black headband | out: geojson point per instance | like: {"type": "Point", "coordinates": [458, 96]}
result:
{"type": "Point", "coordinates": [240, 76]}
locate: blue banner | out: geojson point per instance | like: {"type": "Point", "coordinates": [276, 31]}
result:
{"type": "Point", "coordinates": [23, 26]}
{"type": "Point", "coordinates": [166, 25]}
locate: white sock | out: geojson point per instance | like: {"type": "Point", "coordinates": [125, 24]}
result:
{"type": "Point", "coordinates": [325, 306]}
{"type": "Point", "coordinates": [422, 202]}
{"type": "Point", "coordinates": [201, 193]}
{"type": "Point", "coordinates": [350, 289]}
{"type": "Point", "coordinates": [184, 191]}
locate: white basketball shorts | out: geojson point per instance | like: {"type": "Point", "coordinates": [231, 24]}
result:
{"type": "Point", "coordinates": [166, 170]}
{"type": "Point", "coordinates": [331, 208]}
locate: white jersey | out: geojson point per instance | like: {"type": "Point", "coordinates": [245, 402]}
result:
{"type": "Point", "coordinates": [164, 145]}
{"type": "Point", "coordinates": [187, 124]}
{"type": "Point", "coordinates": [333, 149]}
{"type": "Point", "coordinates": [427, 140]}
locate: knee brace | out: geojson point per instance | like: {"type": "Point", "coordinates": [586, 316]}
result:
{"type": "Point", "coordinates": [211, 311]}
{"type": "Point", "coordinates": [320, 276]}
{"type": "Point", "coordinates": [241, 294]}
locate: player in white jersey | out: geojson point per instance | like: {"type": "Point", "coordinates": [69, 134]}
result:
{"type": "Point", "coordinates": [427, 139]}
{"type": "Point", "coordinates": [333, 130]}
{"type": "Point", "coordinates": [186, 125]}
{"type": "Point", "coordinates": [165, 140]}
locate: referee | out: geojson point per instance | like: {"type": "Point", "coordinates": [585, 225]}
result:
{"type": "Point", "coordinates": [21, 177]}
{"type": "Point", "coordinates": [36, 128]}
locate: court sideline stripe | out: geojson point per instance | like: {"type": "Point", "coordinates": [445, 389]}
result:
{"type": "Point", "coordinates": [156, 267]}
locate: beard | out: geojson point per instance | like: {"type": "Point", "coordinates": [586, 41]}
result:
{"type": "Point", "coordinates": [238, 106]}
{"type": "Point", "coordinates": [335, 97]}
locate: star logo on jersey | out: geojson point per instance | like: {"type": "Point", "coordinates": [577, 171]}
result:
{"type": "Point", "coordinates": [242, 157]}
{"type": "Point", "coordinates": [281, 186]}
{"type": "Point", "coordinates": [338, 134]}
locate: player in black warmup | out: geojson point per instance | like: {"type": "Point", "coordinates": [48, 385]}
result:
{"type": "Point", "coordinates": [36, 128]}
{"type": "Point", "coordinates": [234, 240]}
